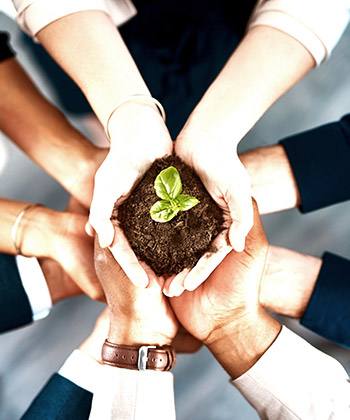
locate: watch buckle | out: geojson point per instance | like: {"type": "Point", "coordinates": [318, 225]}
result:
{"type": "Point", "coordinates": [143, 357]}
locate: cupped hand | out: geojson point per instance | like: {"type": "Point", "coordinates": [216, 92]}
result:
{"type": "Point", "coordinates": [138, 315]}
{"type": "Point", "coordinates": [227, 181]}
{"type": "Point", "coordinates": [138, 137]}
{"type": "Point", "coordinates": [230, 293]}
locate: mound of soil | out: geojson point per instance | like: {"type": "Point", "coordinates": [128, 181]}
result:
{"type": "Point", "coordinates": [170, 247]}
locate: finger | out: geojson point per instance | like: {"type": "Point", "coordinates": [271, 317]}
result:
{"type": "Point", "coordinates": [241, 212]}
{"type": "Point", "coordinates": [89, 230]}
{"type": "Point", "coordinates": [154, 281]}
{"type": "Point", "coordinates": [75, 206]}
{"type": "Point", "coordinates": [107, 191]}
{"type": "Point", "coordinates": [207, 263]}
{"type": "Point", "coordinates": [100, 213]}
{"type": "Point", "coordinates": [127, 260]}
{"type": "Point", "coordinates": [91, 287]}
{"type": "Point", "coordinates": [174, 285]}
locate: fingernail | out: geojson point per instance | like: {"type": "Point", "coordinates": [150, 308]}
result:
{"type": "Point", "coordinates": [89, 229]}
{"type": "Point", "coordinates": [167, 293]}
{"type": "Point", "coordinates": [176, 290]}
{"type": "Point", "coordinates": [238, 243]}
{"type": "Point", "coordinates": [143, 281]}
{"type": "Point", "coordinates": [190, 286]}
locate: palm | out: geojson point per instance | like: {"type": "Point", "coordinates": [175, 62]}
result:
{"type": "Point", "coordinates": [233, 283]}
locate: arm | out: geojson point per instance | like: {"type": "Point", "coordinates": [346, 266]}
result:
{"type": "Point", "coordinates": [45, 135]}
{"type": "Point", "coordinates": [281, 180]}
{"type": "Point", "coordinates": [124, 393]}
{"type": "Point", "coordinates": [90, 49]}
{"type": "Point", "coordinates": [279, 373]}
{"type": "Point", "coordinates": [288, 378]}
{"type": "Point", "coordinates": [53, 235]}
{"type": "Point", "coordinates": [227, 111]}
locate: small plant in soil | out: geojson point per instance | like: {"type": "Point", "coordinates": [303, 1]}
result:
{"type": "Point", "coordinates": [169, 219]}
{"type": "Point", "coordinates": [168, 187]}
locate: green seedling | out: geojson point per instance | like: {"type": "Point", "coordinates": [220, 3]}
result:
{"type": "Point", "coordinates": [168, 187]}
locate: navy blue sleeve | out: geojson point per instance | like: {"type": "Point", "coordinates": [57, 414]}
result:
{"type": "Point", "coordinates": [328, 312]}
{"type": "Point", "coordinates": [320, 161]}
{"type": "Point", "coordinates": [60, 399]}
{"type": "Point", "coordinates": [5, 49]}
{"type": "Point", "coordinates": [15, 309]}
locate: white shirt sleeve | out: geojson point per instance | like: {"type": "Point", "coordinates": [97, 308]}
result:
{"type": "Point", "coordinates": [35, 286]}
{"type": "Point", "coordinates": [294, 380]}
{"type": "Point", "coordinates": [34, 15]}
{"type": "Point", "coordinates": [122, 394]}
{"type": "Point", "coordinates": [316, 24]}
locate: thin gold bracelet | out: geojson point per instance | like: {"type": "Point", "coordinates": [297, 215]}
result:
{"type": "Point", "coordinates": [138, 98]}
{"type": "Point", "coordinates": [16, 225]}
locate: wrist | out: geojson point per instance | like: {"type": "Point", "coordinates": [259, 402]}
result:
{"type": "Point", "coordinates": [136, 333]}
{"type": "Point", "coordinates": [36, 230]}
{"type": "Point", "coordinates": [273, 183]}
{"type": "Point", "coordinates": [140, 113]}
{"type": "Point", "coordinates": [241, 343]}
{"type": "Point", "coordinates": [288, 281]}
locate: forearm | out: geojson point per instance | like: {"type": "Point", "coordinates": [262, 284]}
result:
{"type": "Point", "coordinates": [288, 382]}
{"type": "Point", "coordinates": [89, 48]}
{"type": "Point", "coordinates": [251, 81]}
{"type": "Point", "coordinates": [33, 232]}
{"type": "Point", "coordinates": [273, 183]}
{"type": "Point", "coordinates": [43, 132]}
{"type": "Point", "coordinates": [288, 281]}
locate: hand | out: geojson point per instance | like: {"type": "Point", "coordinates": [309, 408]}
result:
{"type": "Point", "coordinates": [59, 283]}
{"type": "Point", "coordinates": [138, 137]}
{"type": "Point", "coordinates": [224, 312]}
{"type": "Point", "coordinates": [230, 293]}
{"type": "Point", "coordinates": [60, 236]}
{"type": "Point", "coordinates": [138, 315]}
{"type": "Point", "coordinates": [227, 181]}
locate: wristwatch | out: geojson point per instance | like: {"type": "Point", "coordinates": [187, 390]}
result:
{"type": "Point", "coordinates": [145, 357]}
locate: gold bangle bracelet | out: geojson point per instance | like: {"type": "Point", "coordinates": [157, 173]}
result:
{"type": "Point", "coordinates": [138, 98]}
{"type": "Point", "coordinates": [16, 225]}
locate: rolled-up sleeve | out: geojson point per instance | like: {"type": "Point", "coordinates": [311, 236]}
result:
{"type": "Point", "coordinates": [294, 380]}
{"type": "Point", "coordinates": [316, 24]}
{"type": "Point", "coordinates": [34, 15]}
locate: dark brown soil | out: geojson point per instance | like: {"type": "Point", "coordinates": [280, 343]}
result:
{"type": "Point", "coordinates": [170, 247]}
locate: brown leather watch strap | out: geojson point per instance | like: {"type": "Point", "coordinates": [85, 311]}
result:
{"type": "Point", "coordinates": [138, 357]}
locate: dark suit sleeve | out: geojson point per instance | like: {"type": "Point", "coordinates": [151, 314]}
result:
{"type": "Point", "coordinates": [15, 309]}
{"type": "Point", "coordinates": [328, 312]}
{"type": "Point", "coordinates": [60, 399]}
{"type": "Point", "coordinates": [320, 160]}
{"type": "Point", "coordinates": [5, 49]}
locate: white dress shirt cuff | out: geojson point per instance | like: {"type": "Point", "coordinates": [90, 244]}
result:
{"type": "Point", "coordinates": [34, 15]}
{"type": "Point", "coordinates": [82, 370]}
{"type": "Point", "coordinates": [35, 286]}
{"type": "Point", "coordinates": [294, 380]}
{"type": "Point", "coordinates": [317, 25]}
{"type": "Point", "coordinates": [125, 394]}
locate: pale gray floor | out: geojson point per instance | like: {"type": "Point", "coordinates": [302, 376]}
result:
{"type": "Point", "coordinates": [202, 392]}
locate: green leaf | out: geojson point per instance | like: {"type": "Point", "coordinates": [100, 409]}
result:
{"type": "Point", "coordinates": [162, 211]}
{"type": "Point", "coordinates": [168, 184]}
{"type": "Point", "coordinates": [186, 202]}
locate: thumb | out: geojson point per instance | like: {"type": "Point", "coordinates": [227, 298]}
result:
{"type": "Point", "coordinates": [241, 212]}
